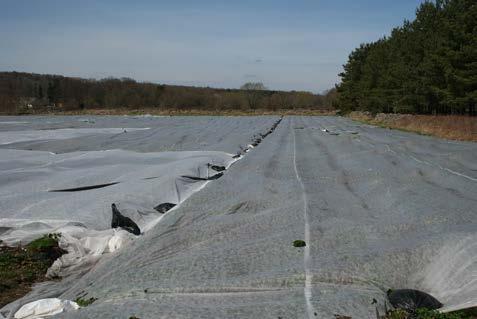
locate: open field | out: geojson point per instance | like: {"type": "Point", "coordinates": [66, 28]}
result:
{"type": "Point", "coordinates": [454, 127]}
{"type": "Point", "coordinates": [378, 209]}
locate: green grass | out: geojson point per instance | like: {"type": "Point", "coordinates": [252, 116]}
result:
{"type": "Point", "coordinates": [85, 302]}
{"type": "Point", "coordinates": [46, 242]}
{"type": "Point", "coordinates": [21, 267]}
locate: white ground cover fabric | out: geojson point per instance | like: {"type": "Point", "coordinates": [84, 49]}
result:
{"type": "Point", "coordinates": [40, 195]}
{"type": "Point", "coordinates": [31, 184]}
{"type": "Point", "coordinates": [178, 133]}
{"type": "Point", "coordinates": [379, 208]}
{"type": "Point", "coordinates": [45, 308]}
{"type": "Point", "coordinates": [383, 208]}
{"type": "Point", "coordinates": [35, 205]}
{"type": "Point", "coordinates": [10, 137]}
{"type": "Point", "coordinates": [85, 247]}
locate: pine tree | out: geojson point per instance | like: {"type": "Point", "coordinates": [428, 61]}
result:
{"type": "Point", "coordinates": [426, 66]}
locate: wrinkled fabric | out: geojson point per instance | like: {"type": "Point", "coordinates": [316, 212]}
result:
{"type": "Point", "coordinates": [382, 209]}
{"type": "Point", "coordinates": [45, 308]}
{"type": "Point", "coordinates": [71, 193]}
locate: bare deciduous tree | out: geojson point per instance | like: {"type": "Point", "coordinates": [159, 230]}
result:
{"type": "Point", "coordinates": [253, 92]}
{"type": "Point", "coordinates": [19, 90]}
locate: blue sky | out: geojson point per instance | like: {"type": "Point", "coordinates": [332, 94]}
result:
{"type": "Point", "coordinates": [287, 45]}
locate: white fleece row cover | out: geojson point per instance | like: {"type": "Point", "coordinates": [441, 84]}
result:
{"type": "Point", "coordinates": [35, 188]}
{"type": "Point", "coordinates": [33, 206]}
{"type": "Point", "coordinates": [59, 134]}
{"type": "Point", "coordinates": [34, 203]}
{"type": "Point", "coordinates": [380, 209]}
{"type": "Point", "coordinates": [42, 188]}
{"type": "Point", "coordinates": [45, 308]}
{"type": "Point", "coordinates": [71, 192]}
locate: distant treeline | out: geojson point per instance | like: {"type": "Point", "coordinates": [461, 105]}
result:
{"type": "Point", "coordinates": [22, 91]}
{"type": "Point", "coordinates": [427, 66]}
